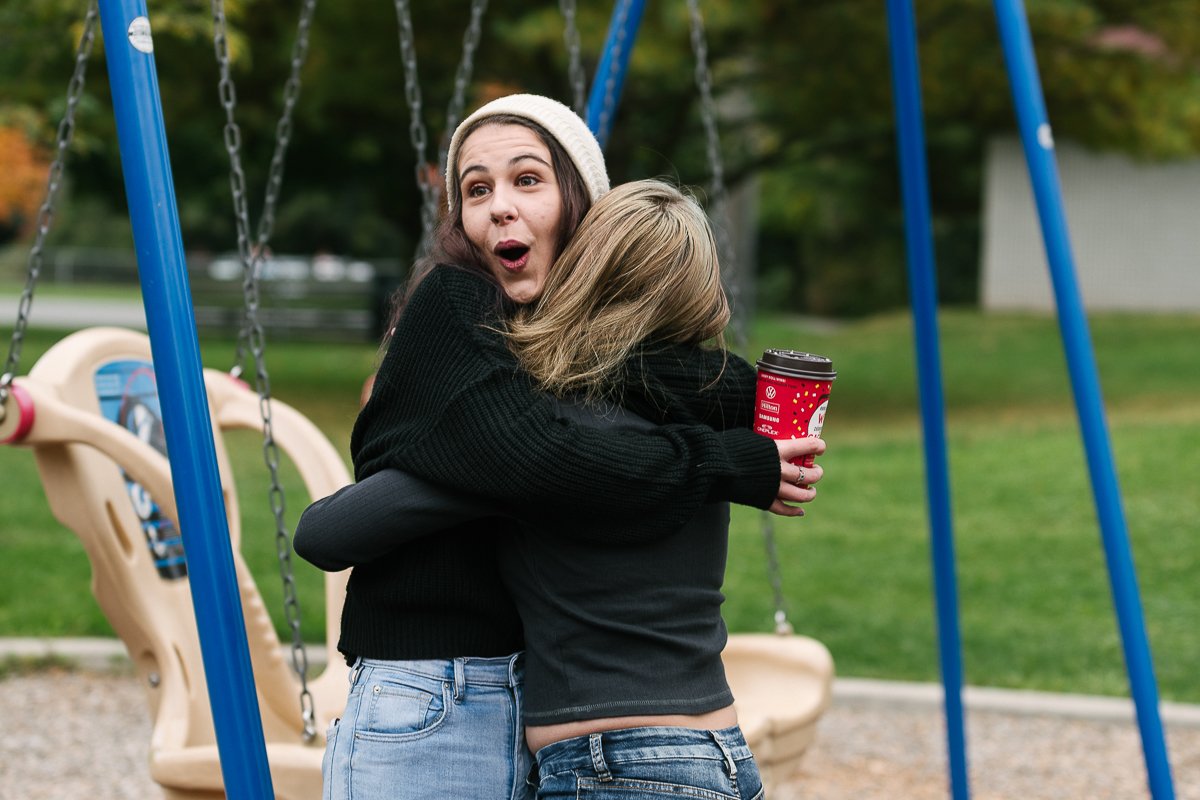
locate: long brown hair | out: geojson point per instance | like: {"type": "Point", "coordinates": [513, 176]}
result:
{"type": "Point", "coordinates": [450, 244]}
{"type": "Point", "coordinates": [642, 267]}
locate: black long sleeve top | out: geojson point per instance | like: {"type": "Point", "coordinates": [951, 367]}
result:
{"type": "Point", "coordinates": [451, 406]}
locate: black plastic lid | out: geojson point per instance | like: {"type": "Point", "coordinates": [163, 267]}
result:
{"type": "Point", "coordinates": [797, 364]}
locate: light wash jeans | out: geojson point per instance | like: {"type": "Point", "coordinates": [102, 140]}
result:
{"type": "Point", "coordinates": [650, 763]}
{"type": "Point", "coordinates": [430, 730]}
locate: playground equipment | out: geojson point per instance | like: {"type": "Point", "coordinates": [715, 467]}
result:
{"type": "Point", "coordinates": [238, 727]}
{"type": "Point", "coordinates": [90, 413]}
{"type": "Point", "coordinates": [255, 734]}
{"type": "Point", "coordinates": [1038, 142]}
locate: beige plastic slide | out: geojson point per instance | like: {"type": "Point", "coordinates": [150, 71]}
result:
{"type": "Point", "coordinates": [93, 430]}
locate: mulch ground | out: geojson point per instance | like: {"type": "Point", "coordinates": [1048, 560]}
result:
{"type": "Point", "coordinates": [83, 735]}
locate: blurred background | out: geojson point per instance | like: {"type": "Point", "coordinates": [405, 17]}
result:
{"type": "Point", "coordinates": [805, 121]}
{"type": "Point", "coordinates": [808, 142]}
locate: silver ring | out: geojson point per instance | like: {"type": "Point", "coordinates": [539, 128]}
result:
{"type": "Point", "coordinates": [800, 479]}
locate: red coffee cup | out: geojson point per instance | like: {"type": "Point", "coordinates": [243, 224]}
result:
{"type": "Point", "coordinates": [792, 396]}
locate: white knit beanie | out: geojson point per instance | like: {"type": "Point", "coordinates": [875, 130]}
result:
{"type": "Point", "coordinates": [559, 121]}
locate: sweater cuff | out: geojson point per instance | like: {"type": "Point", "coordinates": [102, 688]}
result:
{"type": "Point", "coordinates": [754, 478]}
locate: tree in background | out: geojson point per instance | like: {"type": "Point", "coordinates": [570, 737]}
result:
{"type": "Point", "coordinates": [803, 88]}
{"type": "Point", "coordinates": [22, 180]}
{"type": "Point", "coordinates": [1117, 74]}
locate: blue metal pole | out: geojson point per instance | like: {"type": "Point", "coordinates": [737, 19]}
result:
{"type": "Point", "coordinates": [922, 282]}
{"type": "Point", "coordinates": [1043, 173]}
{"type": "Point", "coordinates": [614, 62]}
{"type": "Point", "coordinates": [186, 423]}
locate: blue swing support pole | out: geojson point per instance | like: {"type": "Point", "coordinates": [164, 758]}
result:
{"type": "Point", "coordinates": [1043, 173]}
{"type": "Point", "coordinates": [922, 283]}
{"type": "Point", "coordinates": [605, 95]}
{"type": "Point", "coordinates": [175, 347]}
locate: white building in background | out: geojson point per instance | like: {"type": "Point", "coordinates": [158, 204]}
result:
{"type": "Point", "coordinates": [1135, 232]}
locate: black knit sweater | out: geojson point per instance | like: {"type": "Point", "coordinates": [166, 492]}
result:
{"type": "Point", "coordinates": [450, 405]}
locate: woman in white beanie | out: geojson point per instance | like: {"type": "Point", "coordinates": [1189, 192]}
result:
{"type": "Point", "coordinates": [432, 632]}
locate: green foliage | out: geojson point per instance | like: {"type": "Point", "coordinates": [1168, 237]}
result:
{"type": "Point", "coordinates": [825, 150]}
{"type": "Point", "coordinates": [803, 90]}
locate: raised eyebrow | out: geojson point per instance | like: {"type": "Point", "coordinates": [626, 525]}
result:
{"type": "Point", "coordinates": [470, 169]}
{"type": "Point", "coordinates": [531, 157]}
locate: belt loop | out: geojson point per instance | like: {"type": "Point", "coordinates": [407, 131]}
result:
{"type": "Point", "coordinates": [730, 764]}
{"type": "Point", "coordinates": [352, 676]}
{"type": "Point", "coordinates": [460, 679]}
{"type": "Point", "coordinates": [598, 758]}
{"type": "Point", "coordinates": [513, 681]}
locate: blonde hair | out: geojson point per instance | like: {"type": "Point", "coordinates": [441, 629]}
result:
{"type": "Point", "coordinates": [641, 267]}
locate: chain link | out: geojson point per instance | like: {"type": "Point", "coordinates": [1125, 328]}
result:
{"type": "Point", "coordinates": [253, 254]}
{"type": "Point", "coordinates": [66, 131]}
{"type": "Point", "coordinates": [462, 78]}
{"type": "Point", "coordinates": [252, 333]}
{"type": "Point", "coordinates": [719, 212]}
{"type": "Point", "coordinates": [429, 184]}
{"type": "Point", "coordinates": [416, 125]}
{"type": "Point", "coordinates": [574, 59]}
{"type": "Point", "coordinates": [719, 207]}
{"type": "Point", "coordinates": [782, 626]}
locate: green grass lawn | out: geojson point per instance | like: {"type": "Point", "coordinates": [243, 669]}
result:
{"type": "Point", "coordinates": [1035, 604]}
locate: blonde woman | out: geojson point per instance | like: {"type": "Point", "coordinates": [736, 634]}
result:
{"type": "Point", "coordinates": [624, 683]}
{"type": "Point", "coordinates": [625, 689]}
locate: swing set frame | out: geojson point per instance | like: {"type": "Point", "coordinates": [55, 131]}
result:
{"type": "Point", "coordinates": [175, 348]}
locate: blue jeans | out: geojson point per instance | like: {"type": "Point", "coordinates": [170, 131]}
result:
{"type": "Point", "coordinates": [417, 730]}
{"type": "Point", "coordinates": [650, 763]}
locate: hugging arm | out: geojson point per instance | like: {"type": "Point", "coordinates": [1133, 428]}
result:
{"type": "Point", "coordinates": [366, 520]}
{"type": "Point", "coordinates": [684, 382]}
{"type": "Point", "coordinates": [450, 405]}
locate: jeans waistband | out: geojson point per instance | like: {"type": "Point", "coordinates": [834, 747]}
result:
{"type": "Point", "coordinates": [635, 744]}
{"type": "Point", "coordinates": [501, 671]}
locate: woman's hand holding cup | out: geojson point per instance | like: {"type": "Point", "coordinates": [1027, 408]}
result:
{"type": "Point", "coordinates": [795, 482]}
{"type": "Point", "coordinates": [790, 401]}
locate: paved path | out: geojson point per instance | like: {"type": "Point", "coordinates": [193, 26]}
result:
{"type": "Point", "coordinates": [83, 734]}
{"type": "Point", "coordinates": [73, 313]}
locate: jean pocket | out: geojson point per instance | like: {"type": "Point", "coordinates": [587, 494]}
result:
{"type": "Point", "coordinates": [397, 708]}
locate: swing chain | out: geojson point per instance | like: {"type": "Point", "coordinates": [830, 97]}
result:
{"type": "Point", "coordinates": [253, 255]}
{"type": "Point", "coordinates": [610, 80]}
{"type": "Point", "coordinates": [252, 332]}
{"type": "Point", "coordinates": [719, 212]}
{"type": "Point", "coordinates": [66, 131]}
{"type": "Point", "coordinates": [720, 195]}
{"type": "Point", "coordinates": [462, 77]}
{"type": "Point", "coordinates": [707, 105]}
{"type": "Point", "coordinates": [782, 626]}
{"type": "Point", "coordinates": [429, 184]}
{"type": "Point", "coordinates": [575, 62]}
{"type": "Point", "coordinates": [416, 124]}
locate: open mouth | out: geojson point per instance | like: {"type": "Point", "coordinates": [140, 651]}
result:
{"type": "Point", "coordinates": [513, 255]}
